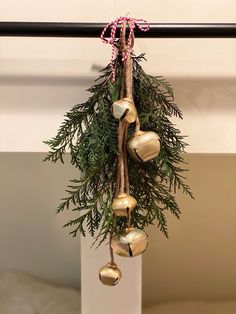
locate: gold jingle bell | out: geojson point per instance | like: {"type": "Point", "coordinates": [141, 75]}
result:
{"type": "Point", "coordinates": [124, 110]}
{"type": "Point", "coordinates": [110, 274]}
{"type": "Point", "coordinates": [132, 243]}
{"type": "Point", "coordinates": [122, 204]}
{"type": "Point", "coordinates": [144, 146]}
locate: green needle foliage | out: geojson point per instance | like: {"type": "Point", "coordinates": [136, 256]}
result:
{"type": "Point", "coordinates": [89, 134]}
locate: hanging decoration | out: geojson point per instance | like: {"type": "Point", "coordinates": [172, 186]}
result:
{"type": "Point", "coordinates": [129, 153]}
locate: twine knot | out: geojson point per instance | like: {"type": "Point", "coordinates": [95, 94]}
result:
{"type": "Point", "coordinates": [132, 22]}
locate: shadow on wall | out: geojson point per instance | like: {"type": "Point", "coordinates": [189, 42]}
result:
{"type": "Point", "coordinates": [32, 239]}
{"type": "Point", "coordinates": [191, 94]}
{"type": "Point", "coordinates": [208, 106]}
{"type": "Point", "coordinates": [220, 93]}
{"type": "Point", "coordinates": [198, 261]}
{"type": "Point", "coordinates": [46, 80]}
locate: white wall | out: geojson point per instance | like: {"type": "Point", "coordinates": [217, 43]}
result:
{"type": "Point", "coordinates": [41, 78]}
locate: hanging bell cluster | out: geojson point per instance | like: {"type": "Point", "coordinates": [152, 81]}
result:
{"type": "Point", "coordinates": [142, 146]}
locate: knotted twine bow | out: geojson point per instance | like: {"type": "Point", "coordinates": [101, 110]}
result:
{"type": "Point", "coordinates": [111, 40]}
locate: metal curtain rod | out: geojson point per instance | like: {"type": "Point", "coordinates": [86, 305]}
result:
{"type": "Point", "coordinates": [93, 30]}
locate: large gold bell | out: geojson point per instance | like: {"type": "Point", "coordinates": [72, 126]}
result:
{"type": "Point", "coordinates": [132, 243]}
{"type": "Point", "coordinates": [122, 204]}
{"type": "Point", "coordinates": [124, 110]}
{"type": "Point", "coordinates": [144, 146]}
{"type": "Point", "coordinates": [110, 274]}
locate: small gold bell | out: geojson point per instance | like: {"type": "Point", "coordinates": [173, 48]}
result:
{"type": "Point", "coordinates": [132, 243]}
{"type": "Point", "coordinates": [122, 204]}
{"type": "Point", "coordinates": [144, 146]}
{"type": "Point", "coordinates": [110, 274]}
{"type": "Point", "coordinates": [124, 110]}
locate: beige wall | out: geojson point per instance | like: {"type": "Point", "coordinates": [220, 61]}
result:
{"type": "Point", "coordinates": [198, 261]}
{"type": "Point", "coordinates": [31, 235]}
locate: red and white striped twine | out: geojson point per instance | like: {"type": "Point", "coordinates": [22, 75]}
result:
{"type": "Point", "coordinates": [111, 40]}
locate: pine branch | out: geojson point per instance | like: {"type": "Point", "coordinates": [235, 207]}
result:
{"type": "Point", "coordinates": [89, 134]}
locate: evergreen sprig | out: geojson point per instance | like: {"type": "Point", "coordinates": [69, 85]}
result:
{"type": "Point", "coordinates": [89, 134]}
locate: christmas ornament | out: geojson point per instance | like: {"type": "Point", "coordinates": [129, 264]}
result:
{"type": "Point", "coordinates": [132, 243]}
{"type": "Point", "coordinates": [97, 135]}
{"type": "Point", "coordinates": [125, 110]}
{"type": "Point", "coordinates": [110, 274]}
{"type": "Point", "coordinates": [144, 146]}
{"type": "Point", "coordinates": [122, 204]}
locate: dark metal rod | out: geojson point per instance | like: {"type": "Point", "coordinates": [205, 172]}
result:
{"type": "Point", "coordinates": [93, 30]}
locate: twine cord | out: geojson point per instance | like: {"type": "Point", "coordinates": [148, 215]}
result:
{"type": "Point", "coordinates": [125, 48]}
{"type": "Point", "coordinates": [112, 39]}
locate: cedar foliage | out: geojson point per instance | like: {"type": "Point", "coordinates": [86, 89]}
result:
{"type": "Point", "coordinates": [89, 134]}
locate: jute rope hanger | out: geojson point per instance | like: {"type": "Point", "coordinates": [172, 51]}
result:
{"type": "Point", "coordinates": [122, 177]}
